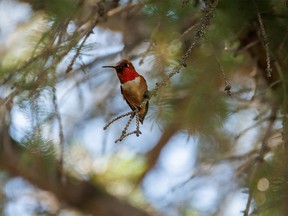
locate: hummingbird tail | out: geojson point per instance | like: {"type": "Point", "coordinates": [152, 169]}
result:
{"type": "Point", "coordinates": [141, 119]}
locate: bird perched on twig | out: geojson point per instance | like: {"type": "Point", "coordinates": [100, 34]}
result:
{"type": "Point", "coordinates": [133, 87]}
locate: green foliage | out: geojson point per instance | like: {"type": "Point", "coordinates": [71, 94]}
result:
{"type": "Point", "coordinates": [57, 8]}
{"type": "Point", "coordinates": [171, 10]}
{"type": "Point", "coordinates": [232, 51]}
{"type": "Point", "coordinates": [271, 185]}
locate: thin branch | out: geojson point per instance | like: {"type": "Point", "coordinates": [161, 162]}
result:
{"type": "Point", "coordinates": [242, 156]}
{"type": "Point", "coordinates": [126, 135]}
{"type": "Point", "coordinates": [117, 118]}
{"type": "Point", "coordinates": [260, 158]}
{"type": "Point", "coordinates": [284, 106]}
{"type": "Point", "coordinates": [186, 31]}
{"type": "Point", "coordinates": [265, 42]}
{"type": "Point", "coordinates": [248, 46]}
{"type": "Point", "coordinates": [61, 133]}
{"type": "Point", "coordinates": [248, 204]}
{"type": "Point", "coordinates": [269, 87]}
{"type": "Point", "coordinates": [227, 88]}
{"type": "Point", "coordinates": [138, 132]}
{"type": "Point", "coordinates": [200, 32]}
{"type": "Point", "coordinates": [127, 125]}
{"type": "Point", "coordinates": [89, 31]}
{"type": "Point", "coordinates": [264, 147]}
{"type": "Point", "coordinates": [124, 132]}
{"type": "Point", "coordinates": [146, 52]}
{"type": "Point", "coordinates": [251, 127]}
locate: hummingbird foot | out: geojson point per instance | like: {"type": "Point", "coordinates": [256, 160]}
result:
{"type": "Point", "coordinates": [148, 94]}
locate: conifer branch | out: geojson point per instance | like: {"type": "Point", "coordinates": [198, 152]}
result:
{"type": "Point", "coordinates": [260, 158]}
{"type": "Point", "coordinates": [138, 132]}
{"type": "Point", "coordinates": [200, 33]}
{"type": "Point", "coordinates": [61, 133]}
{"type": "Point", "coordinates": [116, 119]}
{"type": "Point", "coordinates": [227, 88]}
{"type": "Point", "coordinates": [124, 132]}
{"type": "Point", "coordinates": [126, 135]}
{"type": "Point", "coordinates": [284, 106]}
{"type": "Point", "coordinates": [89, 32]}
{"type": "Point", "coordinates": [241, 133]}
{"type": "Point", "coordinates": [99, 16]}
{"type": "Point", "coordinates": [126, 126]}
{"type": "Point", "coordinates": [265, 41]}
{"type": "Point", "coordinates": [248, 204]}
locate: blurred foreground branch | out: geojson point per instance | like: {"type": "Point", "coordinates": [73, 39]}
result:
{"type": "Point", "coordinates": [42, 171]}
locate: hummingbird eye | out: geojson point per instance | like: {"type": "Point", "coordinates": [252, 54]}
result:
{"type": "Point", "coordinates": [127, 65]}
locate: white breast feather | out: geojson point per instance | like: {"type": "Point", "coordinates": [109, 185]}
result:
{"type": "Point", "coordinates": [131, 84]}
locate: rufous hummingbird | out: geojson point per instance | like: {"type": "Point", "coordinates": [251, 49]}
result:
{"type": "Point", "coordinates": [133, 87]}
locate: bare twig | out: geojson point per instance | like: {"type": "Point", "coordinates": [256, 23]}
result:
{"type": "Point", "coordinates": [264, 147]}
{"type": "Point", "coordinates": [248, 204]}
{"type": "Point", "coordinates": [89, 31]}
{"type": "Point", "coordinates": [241, 133]}
{"type": "Point", "coordinates": [284, 106]}
{"type": "Point", "coordinates": [187, 31]}
{"type": "Point", "coordinates": [126, 135]}
{"type": "Point", "coordinates": [116, 119]}
{"type": "Point", "coordinates": [137, 131]}
{"type": "Point", "coordinates": [248, 46]}
{"type": "Point", "coordinates": [265, 42]}
{"type": "Point", "coordinates": [100, 15]}
{"type": "Point", "coordinates": [145, 53]}
{"type": "Point", "coordinates": [227, 84]}
{"type": "Point", "coordinates": [242, 156]}
{"type": "Point", "coordinates": [61, 134]}
{"type": "Point", "coordinates": [269, 87]}
{"type": "Point", "coordinates": [260, 158]}
{"type": "Point", "coordinates": [127, 125]}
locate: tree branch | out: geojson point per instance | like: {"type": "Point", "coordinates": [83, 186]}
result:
{"type": "Point", "coordinates": [43, 172]}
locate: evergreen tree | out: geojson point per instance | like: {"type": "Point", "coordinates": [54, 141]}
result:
{"type": "Point", "coordinates": [216, 72]}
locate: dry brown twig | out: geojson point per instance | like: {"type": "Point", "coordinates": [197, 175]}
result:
{"type": "Point", "coordinates": [200, 32]}
{"type": "Point", "coordinates": [99, 16]}
{"type": "Point", "coordinates": [255, 163]}
{"type": "Point", "coordinates": [227, 88]}
{"type": "Point", "coordinates": [124, 132]}
{"type": "Point", "coordinates": [265, 41]}
{"type": "Point", "coordinates": [89, 32]}
{"type": "Point", "coordinates": [117, 118]}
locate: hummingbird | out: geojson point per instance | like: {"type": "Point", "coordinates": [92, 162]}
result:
{"type": "Point", "coordinates": [133, 87]}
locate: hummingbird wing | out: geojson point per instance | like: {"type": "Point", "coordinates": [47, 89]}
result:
{"type": "Point", "coordinates": [132, 108]}
{"type": "Point", "coordinates": [134, 92]}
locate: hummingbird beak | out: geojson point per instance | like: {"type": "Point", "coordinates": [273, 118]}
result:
{"type": "Point", "coordinates": [109, 67]}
